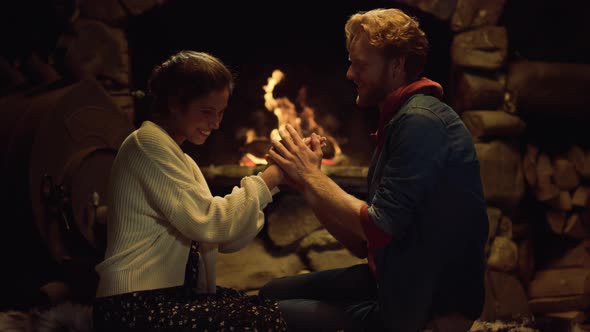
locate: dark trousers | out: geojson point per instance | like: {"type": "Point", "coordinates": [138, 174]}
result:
{"type": "Point", "coordinates": [331, 300]}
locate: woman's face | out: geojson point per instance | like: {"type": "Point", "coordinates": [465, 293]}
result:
{"type": "Point", "coordinates": [195, 121]}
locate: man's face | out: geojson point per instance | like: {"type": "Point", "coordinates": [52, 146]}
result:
{"type": "Point", "coordinates": [369, 70]}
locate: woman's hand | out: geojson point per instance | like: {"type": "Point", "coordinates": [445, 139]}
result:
{"type": "Point", "coordinates": [297, 157]}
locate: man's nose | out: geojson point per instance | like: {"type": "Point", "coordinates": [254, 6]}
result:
{"type": "Point", "coordinates": [349, 73]}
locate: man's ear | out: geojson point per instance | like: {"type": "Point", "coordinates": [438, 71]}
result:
{"type": "Point", "coordinates": [398, 65]}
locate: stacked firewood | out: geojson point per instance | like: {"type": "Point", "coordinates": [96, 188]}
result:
{"type": "Point", "coordinates": [560, 183]}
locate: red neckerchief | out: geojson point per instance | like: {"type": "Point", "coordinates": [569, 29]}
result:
{"type": "Point", "coordinates": [390, 106]}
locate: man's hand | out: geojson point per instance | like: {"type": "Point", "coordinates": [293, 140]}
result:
{"type": "Point", "coordinates": [294, 156]}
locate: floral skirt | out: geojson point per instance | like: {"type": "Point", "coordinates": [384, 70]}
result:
{"type": "Point", "coordinates": [182, 309]}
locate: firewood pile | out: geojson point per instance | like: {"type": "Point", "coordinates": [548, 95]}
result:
{"type": "Point", "coordinates": [538, 194]}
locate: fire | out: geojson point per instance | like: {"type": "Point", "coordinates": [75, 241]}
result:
{"type": "Point", "coordinates": [286, 113]}
{"type": "Point", "coordinates": [282, 108]}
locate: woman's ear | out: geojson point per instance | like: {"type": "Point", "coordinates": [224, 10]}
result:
{"type": "Point", "coordinates": [174, 105]}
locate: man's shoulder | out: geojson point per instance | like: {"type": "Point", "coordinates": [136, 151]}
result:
{"type": "Point", "coordinates": [421, 100]}
{"type": "Point", "coordinates": [430, 107]}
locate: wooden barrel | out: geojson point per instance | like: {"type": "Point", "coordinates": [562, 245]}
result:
{"type": "Point", "coordinates": [74, 147]}
{"type": "Point", "coordinates": [66, 134]}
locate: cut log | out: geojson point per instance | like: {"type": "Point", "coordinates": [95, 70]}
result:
{"type": "Point", "coordinates": [529, 164]}
{"type": "Point", "coordinates": [571, 316]}
{"type": "Point", "coordinates": [544, 165]}
{"type": "Point", "coordinates": [545, 190]}
{"type": "Point", "coordinates": [556, 220]}
{"type": "Point", "coordinates": [484, 48]}
{"type": "Point", "coordinates": [575, 228]}
{"type": "Point", "coordinates": [501, 173]}
{"type": "Point", "coordinates": [503, 254]}
{"type": "Point", "coordinates": [471, 14]}
{"type": "Point", "coordinates": [560, 303]}
{"type": "Point", "coordinates": [565, 175]}
{"type": "Point", "coordinates": [576, 155]}
{"type": "Point", "coordinates": [578, 256]}
{"type": "Point", "coordinates": [549, 88]}
{"type": "Point", "coordinates": [493, 124]}
{"type": "Point", "coordinates": [562, 202]}
{"type": "Point", "coordinates": [581, 197]}
{"type": "Point", "coordinates": [560, 282]}
{"type": "Point", "coordinates": [477, 92]}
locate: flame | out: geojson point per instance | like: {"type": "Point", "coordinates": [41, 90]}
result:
{"type": "Point", "coordinates": [269, 100]}
{"type": "Point", "coordinates": [282, 108]}
{"type": "Point", "coordinates": [286, 113]}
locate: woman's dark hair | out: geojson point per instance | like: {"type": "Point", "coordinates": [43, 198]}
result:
{"type": "Point", "coordinates": [185, 76]}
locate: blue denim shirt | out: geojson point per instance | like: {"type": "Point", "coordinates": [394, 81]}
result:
{"type": "Point", "coordinates": [425, 190]}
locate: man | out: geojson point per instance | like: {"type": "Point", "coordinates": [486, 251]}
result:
{"type": "Point", "coordinates": [424, 225]}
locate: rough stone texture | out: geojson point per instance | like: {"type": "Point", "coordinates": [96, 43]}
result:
{"type": "Point", "coordinates": [291, 220]}
{"type": "Point", "coordinates": [475, 91]}
{"type": "Point", "coordinates": [332, 259]}
{"type": "Point", "coordinates": [441, 9]}
{"type": "Point", "coordinates": [319, 239]}
{"type": "Point", "coordinates": [470, 14]}
{"type": "Point", "coordinates": [558, 89]}
{"type": "Point", "coordinates": [254, 266]}
{"type": "Point", "coordinates": [96, 50]}
{"type": "Point", "coordinates": [484, 48]}
{"type": "Point", "coordinates": [116, 11]}
{"type": "Point", "coordinates": [505, 298]}
{"type": "Point", "coordinates": [501, 173]}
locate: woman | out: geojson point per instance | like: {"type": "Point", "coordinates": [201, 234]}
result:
{"type": "Point", "coordinates": [165, 228]}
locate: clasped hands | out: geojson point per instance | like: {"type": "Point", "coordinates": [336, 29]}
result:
{"type": "Point", "coordinates": [297, 157]}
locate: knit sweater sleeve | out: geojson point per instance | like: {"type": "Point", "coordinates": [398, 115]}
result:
{"type": "Point", "coordinates": [179, 192]}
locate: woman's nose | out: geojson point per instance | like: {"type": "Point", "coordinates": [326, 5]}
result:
{"type": "Point", "coordinates": [215, 121]}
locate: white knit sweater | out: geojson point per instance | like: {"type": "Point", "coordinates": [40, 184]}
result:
{"type": "Point", "coordinates": [158, 202]}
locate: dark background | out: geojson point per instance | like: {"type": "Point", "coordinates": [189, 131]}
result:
{"type": "Point", "coordinates": [304, 39]}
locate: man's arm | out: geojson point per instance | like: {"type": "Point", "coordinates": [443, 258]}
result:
{"type": "Point", "coordinates": [338, 211]}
